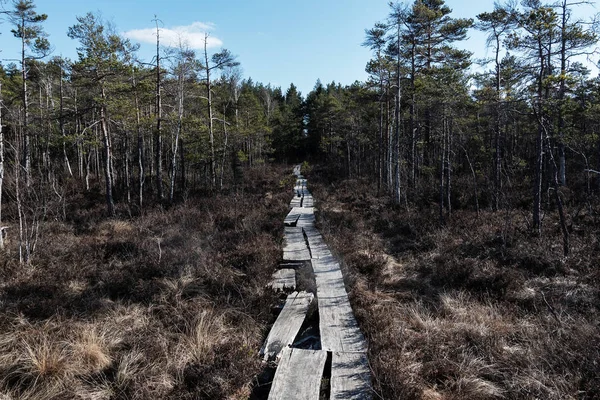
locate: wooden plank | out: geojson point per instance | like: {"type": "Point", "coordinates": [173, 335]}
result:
{"type": "Point", "coordinates": [337, 324]}
{"type": "Point", "coordinates": [283, 279]}
{"type": "Point", "coordinates": [287, 325]}
{"type": "Point", "coordinates": [295, 247]}
{"type": "Point", "coordinates": [317, 246]}
{"type": "Point", "coordinates": [296, 202]}
{"type": "Point", "coordinates": [308, 201]}
{"type": "Point", "coordinates": [298, 375]}
{"type": "Point", "coordinates": [350, 377]}
{"type": "Point", "coordinates": [293, 234]}
{"type": "Point", "coordinates": [328, 276]}
{"type": "Point", "coordinates": [296, 255]}
{"type": "Point", "coordinates": [338, 327]}
{"type": "Point", "coordinates": [292, 218]}
{"type": "Point", "coordinates": [307, 217]}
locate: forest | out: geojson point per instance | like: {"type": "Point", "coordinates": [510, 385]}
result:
{"type": "Point", "coordinates": [464, 206]}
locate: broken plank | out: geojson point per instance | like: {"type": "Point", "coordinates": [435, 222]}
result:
{"type": "Point", "coordinates": [287, 325]}
{"type": "Point", "coordinates": [298, 375]}
{"type": "Point", "coordinates": [283, 279]}
{"type": "Point", "coordinates": [292, 218]}
{"type": "Point", "coordinates": [350, 376]}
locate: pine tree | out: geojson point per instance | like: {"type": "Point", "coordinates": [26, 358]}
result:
{"type": "Point", "coordinates": [34, 45]}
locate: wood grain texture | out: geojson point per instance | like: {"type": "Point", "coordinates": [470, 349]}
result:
{"type": "Point", "coordinates": [287, 325]}
{"type": "Point", "coordinates": [295, 247]}
{"type": "Point", "coordinates": [298, 375]}
{"type": "Point", "coordinates": [337, 324]}
{"type": "Point", "coordinates": [350, 377]}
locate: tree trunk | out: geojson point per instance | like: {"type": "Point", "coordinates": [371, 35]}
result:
{"type": "Point", "coordinates": [396, 144]}
{"type": "Point", "coordinates": [158, 138]}
{"type": "Point", "coordinates": [62, 126]}
{"type": "Point", "coordinates": [26, 140]}
{"type": "Point", "coordinates": [224, 148]}
{"type": "Point", "coordinates": [1, 167]}
{"type": "Point", "coordinates": [562, 168]}
{"type": "Point", "coordinates": [448, 165]}
{"type": "Point", "coordinates": [539, 146]}
{"type": "Point", "coordinates": [213, 172]}
{"type": "Point", "coordinates": [108, 175]}
{"type": "Point", "coordinates": [140, 147]}
{"type": "Point", "coordinates": [177, 136]}
{"type": "Point", "coordinates": [497, 134]}
{"type": "Point", "coordinates": [413, 129]}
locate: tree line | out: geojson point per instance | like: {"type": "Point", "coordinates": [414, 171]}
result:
{"type": "Point", "coordinates": [145, 131]}
{"type": "Point", "coordinates": [525, 132]}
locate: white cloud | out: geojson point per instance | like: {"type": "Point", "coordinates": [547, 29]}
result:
{"type": "Point", "coordinates": [191, 35]}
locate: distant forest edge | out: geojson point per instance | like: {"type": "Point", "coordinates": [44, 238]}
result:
{"type": "Point", "coordinates": [523, 134]}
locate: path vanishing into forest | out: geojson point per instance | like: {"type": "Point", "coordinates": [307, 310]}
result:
{"type": "Point", "coordinates": [336, 352]}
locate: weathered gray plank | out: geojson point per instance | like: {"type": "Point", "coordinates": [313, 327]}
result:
{"type": "Point", "coordinates": [293, 234]}
{"type": "Point", "coordinates": [317, 246]}
{"type": "Point", "coordinates": [287, 325]}
{"type": "Point", "coordinates": [338, 327]}
{"type": "Point", "coordinates": [296, 255]}
{"type": "Point", "coordinates": [328, 276]}
{"type": "Point", "coordinates": [296, 202]}
{"type": "Point", "coordinates": [307, 217]}
{"type": "Point", "coordinates": [350, 377]}
{"type": "Point", "coordinates": [295, 247]}
{"type": "Point", "coordinates": [298, 375]}
{"type": "Point", "coordinates": [284, 278]}
{"type": "Point", "coordinates": [292, 218]}
{"type": "Point", "coordinates": [337, 324]}
{"type": "Point", "coordinates": [307, 201]}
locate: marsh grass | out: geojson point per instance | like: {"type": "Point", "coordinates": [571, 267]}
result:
{"type": "Point", "coordinates": [167, 305]}
{"type": "Point", "coordinates": [478, 309]}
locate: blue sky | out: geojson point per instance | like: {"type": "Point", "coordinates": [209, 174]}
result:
{"type": "Point", "coordinates": [276, 41]}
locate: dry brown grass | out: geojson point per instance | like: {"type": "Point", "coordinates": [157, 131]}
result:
{"type": "Point", "coordinates": [476, 310]}
{"type": "Point", "coordinates": [169, 305]}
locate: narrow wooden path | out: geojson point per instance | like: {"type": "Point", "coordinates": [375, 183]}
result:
{"type": "Point", "coordinates": [300, 372]}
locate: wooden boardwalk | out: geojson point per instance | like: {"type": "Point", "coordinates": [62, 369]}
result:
{"type": "Point", "coordinates": [299, 372]}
